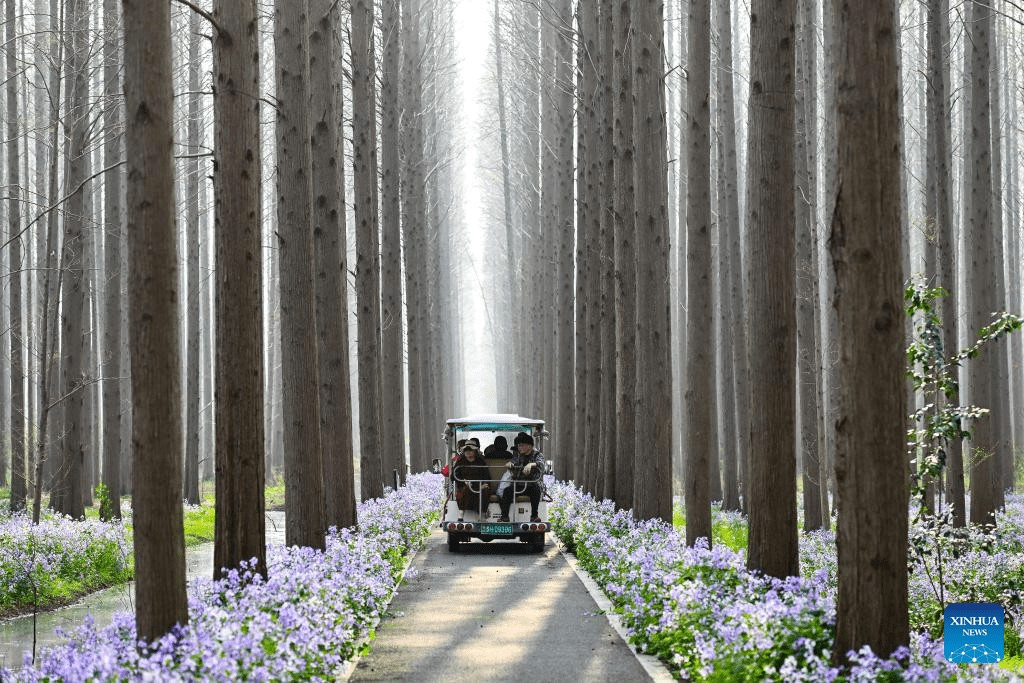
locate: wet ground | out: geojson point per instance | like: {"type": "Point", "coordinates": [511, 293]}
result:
{"type": "Point", "coordinates": [16, 635]}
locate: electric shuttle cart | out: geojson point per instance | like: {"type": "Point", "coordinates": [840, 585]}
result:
{"type": "Point", "coordinates": [462, 526]}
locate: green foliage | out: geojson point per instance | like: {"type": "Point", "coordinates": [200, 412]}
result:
{"type": "Point", "coordinates": [940, 420]}
{"type": "Point", "coordinates": [274, 497]}
{"type": "Point", "coordinates": [938, 423]}
{"type": "Point", "coordinates": [52, 564]}
{"type": "Point", "coordinates": [727, 528]}
{"type": "Point", "coordinates": [1012, 643]}
{"type": "Point", "coordinates": [104, 502]}
{"type": "Point", "coordinates": [199, 522]}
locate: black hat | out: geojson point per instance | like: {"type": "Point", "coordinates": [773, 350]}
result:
{"type": "Point", "coordinates": [469, 447]}
{"type": "Point", "coordinates": [500, 442]}
{"type": "Point", "coordinates": [523, 437]}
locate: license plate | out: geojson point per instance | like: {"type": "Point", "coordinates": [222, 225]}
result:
{"type": "Point", "coordinates": [496, 529]}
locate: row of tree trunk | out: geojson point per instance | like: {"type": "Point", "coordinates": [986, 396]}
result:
{"type": "Point", "coordinates": [791, 341]}
{"type": "Point", "coordinates": [202, 357]}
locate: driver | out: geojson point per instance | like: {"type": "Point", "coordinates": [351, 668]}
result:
{"type": "Point", "coordinates": [527, 464]}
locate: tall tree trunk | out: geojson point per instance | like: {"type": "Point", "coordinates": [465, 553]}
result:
{"type": "Point", "coordinates": [700, 352]}
{"type": "Point", "coordinates": [414, 229]}
{"type": "Point", "coordinates": [586, 215]}
{"type": "Point", "coordinates": [67, 492]}
{"type": "Point", "coordinates": [830, 343]}
{"type": "Point", "coordinates": [113, 184]}
{"type": "Point", "coordinates": [652, 493]}
{"type": "Point", "coordinates": [1001, 370]}
{"type": "Point", "coordinates": [564, 437]}
{"type": "Point", "coordinates": [90, 416]}
{"type": "Point", "coordinates": [938, 97]}
{"type": "Point", "coordinates": [678, 258]}
{"type": "Point", "coordinates": [731, 267]}
{"type": "Point", "coordinates": [332, 273]}
{"type": "Point", "coordinates": [192, 183]}
{"type": "Point", "coordinates": [728, 222]}
{"type": "Point", "coordinates": [606, 264]}
{"type": "Point", "coordinates": [392, 332]}
{"type": "Point", "coordinates": [507, 378]}
{"type": "Point", "coordinates": [806, 273]}
{"type": "Point", "coordinates": [48, 328]}
{"type": "Point", "coordinates": [986, 493]}
{"type": "Point", "coordinates": [732, 219]}
{"type": "Point", "coordinates": [19, 490]}
{"type": "Point", "coordinates": [1013, 259]}
{"type": "Point", "coordinates": [864, 245]}
{"type": "Point", "coordinates": [239, 420]}
{"type": "Point", "coordinates": [624, 207]}
{"type": "Point", "coordinates": [772, 534]}
{"type": "Point", "coordinates": [303, 466]}
{"type": "Point", "coordinates": [153, 304]}
{"type": "Point", "coordinates": [364, 135]}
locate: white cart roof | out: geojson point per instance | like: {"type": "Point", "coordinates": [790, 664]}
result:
{"type": "Point", "coordinates": [497, 422]}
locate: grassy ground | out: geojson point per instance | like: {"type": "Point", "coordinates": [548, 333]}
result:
{"type": "Point", "coordinates": [726, 529]}
{"type": "Point", "coordinates": [199, 522]}
{"type": "Point", "coordinates": [1012, 664]}
{"type": "Point", "coordinates": [60, 589]}
{"type": "Point", "coordinates": [274, 497]}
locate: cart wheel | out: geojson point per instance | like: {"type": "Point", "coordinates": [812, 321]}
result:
{"type": "Point", "coordinates": [453, 543]}
{"type": "Point", "coordinates": [537, 546]}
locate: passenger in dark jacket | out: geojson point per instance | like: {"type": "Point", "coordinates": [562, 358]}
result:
{"type": "Point", "coordinates": [472, 490]}
{"type": "Point", "coordinates": [498, 449]}
{"type": "Point", "coordinates": [527, 465]}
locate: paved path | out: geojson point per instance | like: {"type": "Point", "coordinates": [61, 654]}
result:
{"type": "Point", "coordinates": [495, 612]}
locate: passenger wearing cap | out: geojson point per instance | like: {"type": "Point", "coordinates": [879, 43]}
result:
{"type": "Point", "coordinates": [472, 488]}
{"type": "Point", "coordinates": [527, 464]}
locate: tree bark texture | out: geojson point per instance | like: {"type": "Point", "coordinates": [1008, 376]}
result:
{"type": "Point", "coordinates": [193, 180]}
{"type": "Point", "coordinates": [238, 373]}
{"type": "Point", "coordinates": [982, 245]}
{"type": "Point", "coordinates": [808, 368]}
{"type": "Point", "coordinates": [414, 230]}
{"type": "Point", "coordinates": [864, 245]}
{"type": "Point", "coordinates": [606, 264]}
{"type": "Point", "coordinates": [331, 249]}
{"type": "Point", "coordinates": [154, 295]}
{"type": "Point", "coordinates": [114, 236]}
{"type": "Point", "coordinates": [772, 534]}
{"type": "Point", "coordinates": [586, 219]}
{"type": "Point", "coordinates": [652, 493]}
{"type": "Point", "coordinates": [392, 330]}
{"type": "Point", "coordinates": [624, 207]}
{"type": "Point", "coordinates": [67, 488]}
{"type": "Point", "coordinates": [563, 434]}
{"type": "Point", "coordinates": [364, 136]}
{"type": "Point", "coordinates": [304, 496]}
{"type": "Point", "coordinates": [507, 378]}
{"type": "Point", "coordinates": [700, 352]}
{"type": "Point", "coordinates": [19, 489]}
{"type": "Point", "coordinates": [730, 239]}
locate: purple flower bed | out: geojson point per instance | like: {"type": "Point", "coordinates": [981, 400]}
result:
{"type": "Point", "coordinates": [302, 623]}
{"type": "Point", "coordinates": [708, 618]}
{"type": "Point", "coordinates": [59, 557]}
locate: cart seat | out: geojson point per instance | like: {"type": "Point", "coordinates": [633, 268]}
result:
{"type": "Point", "coordinates": [497, 466]}
{"type": "Point", "coordinates": [519, 499]}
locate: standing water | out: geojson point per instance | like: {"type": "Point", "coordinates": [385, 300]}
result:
{"type": "Point", "coordinates": [16, 634]}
